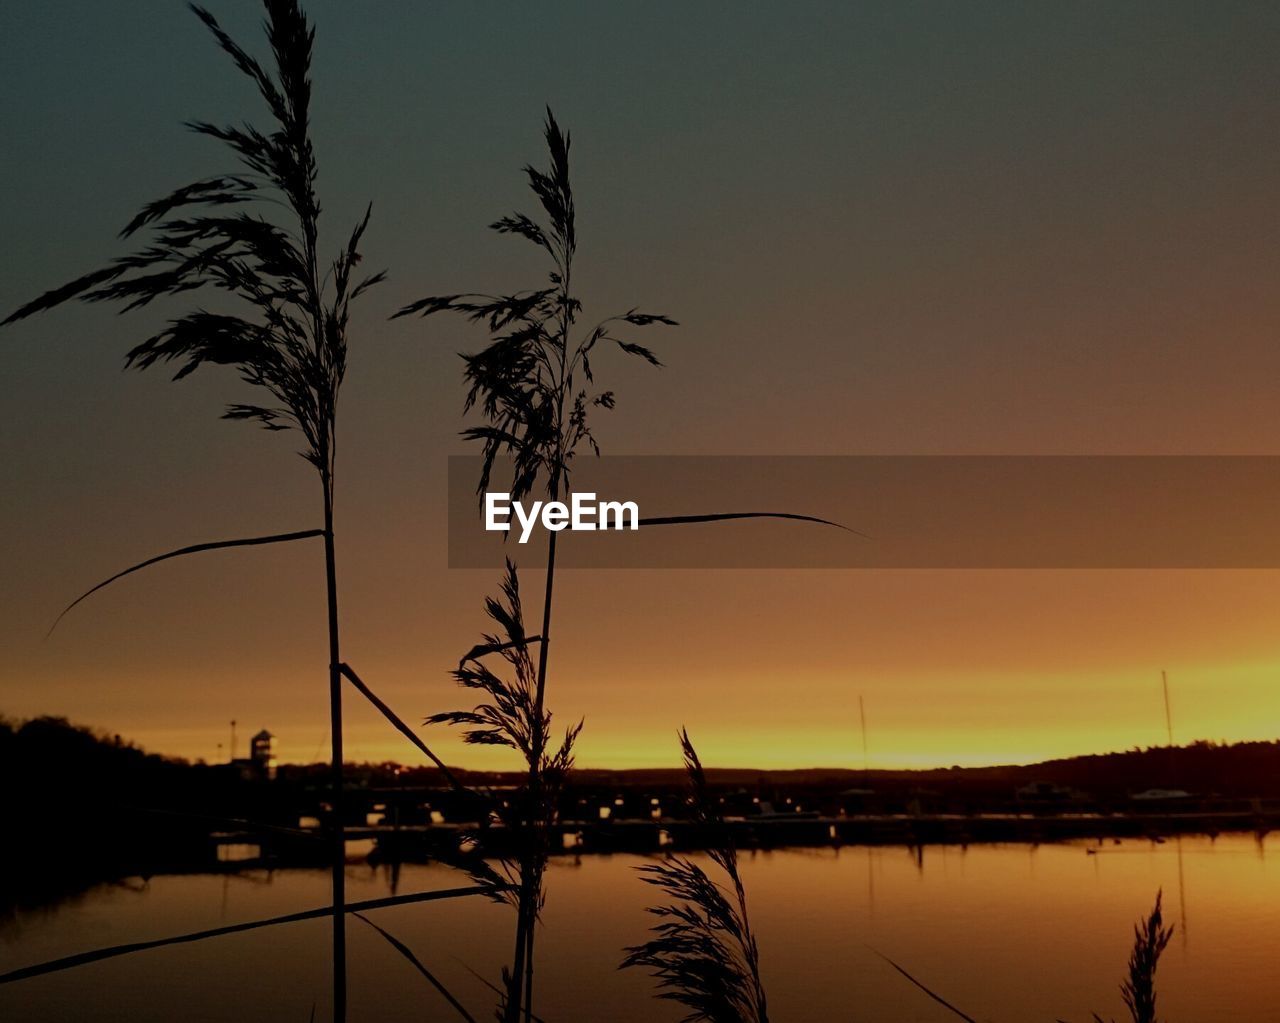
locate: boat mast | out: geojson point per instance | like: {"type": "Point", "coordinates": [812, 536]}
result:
{"type": "Point", "coordinates": [862, 713]}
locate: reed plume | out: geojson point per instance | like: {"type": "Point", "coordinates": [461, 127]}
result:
{"type": "Point", "coordinates": [508, 715]}
{"type": "Point", "coordinates": [1150, 938]}
{"type": "Point", "coordinates": [290, 344]}
{"type": "Point", "coordinates": [703, 953]}
{"type": "Point", "coordinates": [535, 386]}
{"type": "Point", "coordinates": [534, 383]}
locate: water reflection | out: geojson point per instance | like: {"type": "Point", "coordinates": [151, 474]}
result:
{"type": "Point", "coordinates": [1007, 932]}
{"type": "Point", "coordinates": [1182, 895]}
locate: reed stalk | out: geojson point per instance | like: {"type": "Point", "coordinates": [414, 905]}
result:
{"type": "Point", "coordinates": [292, 344]}
{"type": "Point", "coordinates": [1138, 989]}
{"type": "Point", "coordinates": [703, 951]}
{"type": "Point", "coordinates": [535, 386]}
{"type": "Point", "coordinates": [507, 715]}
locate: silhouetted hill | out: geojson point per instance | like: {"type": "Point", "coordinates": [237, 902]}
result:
{"type": "Point", "coordinates": [1242, 769]}
{"type": "Point", "coordinates": [53, 755]}
{"type": "Point", "coordinates": [82, 806]}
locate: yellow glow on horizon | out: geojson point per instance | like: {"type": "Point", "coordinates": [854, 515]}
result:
{"type": "Point", "coordinates": [1100, 714]}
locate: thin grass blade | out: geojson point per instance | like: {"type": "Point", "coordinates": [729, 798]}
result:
{"type": "Point", "coordinates": [932, 994]}
{"type": "Point", "coordinates": [494, 987]}
{"type": "Point", "coordinates": [484, 649]}
{"type": "Point", "coordinates": [216, 545]}
{"type": "Point", "coordinates": [679, 520]}
{"type": "Point", "coordinates": [407, 952]}
{"type": "Point", "coordinates": [404, 729]}
{"type": "Point", "coordinates": [114, 951]}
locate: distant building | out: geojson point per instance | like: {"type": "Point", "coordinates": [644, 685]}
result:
{"type": "Point", "coordinates": [261, 762]}
{"type": "Point", "coordinates": [262, 751]}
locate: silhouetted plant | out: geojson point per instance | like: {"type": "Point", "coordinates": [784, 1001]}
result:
{"type": "Point", "coordinates": [292, 344]}
{"type": "Point", "coordinates": [508, 715]}
{"type": "Point", "coordinates": [528, 383]}
{"type": "Point", "coordinates": [704, 953]}
{"type": "Point", "coordinates": [535, 387]}
{"type": "Point", "coordinates": [1150, 938]}
{"type": "Point", "coordinates": [1138, 990]}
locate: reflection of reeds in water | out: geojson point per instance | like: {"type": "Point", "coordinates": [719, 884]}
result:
{"type": "Point", "coordinates": [703, 951]}
{"type": "Point", "coordinates": [292, 342]}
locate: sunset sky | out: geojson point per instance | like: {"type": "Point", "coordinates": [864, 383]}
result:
{"type": "Point", "coordinates": [886, 229]}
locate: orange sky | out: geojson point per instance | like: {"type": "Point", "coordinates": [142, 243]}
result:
{"type": "Point", "coordinates": [883, 232]}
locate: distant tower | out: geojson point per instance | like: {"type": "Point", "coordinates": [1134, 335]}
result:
{"type": "Point", "coordinates": [262, 754]}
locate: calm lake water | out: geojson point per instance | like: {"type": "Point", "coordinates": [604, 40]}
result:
{"type": "Point", "coordinates": [1008, 933]}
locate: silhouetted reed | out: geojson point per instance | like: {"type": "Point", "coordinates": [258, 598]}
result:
{"type": "Point", "coordinates": [215, 233]}
{"type": "Point", "coordinates": [535, 386]}
{"type": "Point", "coordinates": [703, 953]}
{"type": "Point", "coordinates": [528, 381]}
{"type": "Point", "coordinates": [508, 714]}
{"type": "Point", "coordinates": [1150, 938]}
